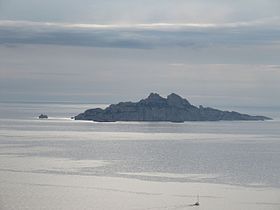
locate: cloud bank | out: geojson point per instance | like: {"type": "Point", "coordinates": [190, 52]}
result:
{"type": "Point", "coordinates": [264, 31]}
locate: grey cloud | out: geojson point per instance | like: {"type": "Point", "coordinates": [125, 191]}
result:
{"type": "Point", "coordinates": [141, 35]}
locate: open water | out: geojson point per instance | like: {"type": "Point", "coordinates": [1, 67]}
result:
{"type": "Point", "coordinates": [239, 153]}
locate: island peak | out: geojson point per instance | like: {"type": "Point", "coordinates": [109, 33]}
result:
{"type": "Point", "coordinates": [154, 97]}
{"type": "Point", "coordinates": [174, 108]}
{"type": "Point", "coordinates": [177, 101]}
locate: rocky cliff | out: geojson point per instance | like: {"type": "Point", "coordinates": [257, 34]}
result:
{"type": "Point", "coordinates": [156, 108]}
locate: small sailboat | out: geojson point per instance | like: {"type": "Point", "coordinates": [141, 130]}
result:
{"type": "Point", "coordinates": [197, 202]}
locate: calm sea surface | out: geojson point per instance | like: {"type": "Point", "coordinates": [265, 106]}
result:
{"type": "Point", "coordinates": [239, 153]}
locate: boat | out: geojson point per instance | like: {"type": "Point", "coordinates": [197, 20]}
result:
{"type": "Point", "coordinates": [197, 202]}
{"type": "Point", "coordinates": [43, 116]}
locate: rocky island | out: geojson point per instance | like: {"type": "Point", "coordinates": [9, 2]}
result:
{"type": "Point", "coordinates": [156, 108]}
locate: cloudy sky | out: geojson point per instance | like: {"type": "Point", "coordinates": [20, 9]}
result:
{"type": "Point", "coordinates": [217, 52]}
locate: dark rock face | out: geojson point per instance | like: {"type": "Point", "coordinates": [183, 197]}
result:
{"type": "Point", "coordinates": [156, 108]}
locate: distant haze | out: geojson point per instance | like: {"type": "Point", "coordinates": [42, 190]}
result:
{"type": "Point", "coordinates": [213, 53]}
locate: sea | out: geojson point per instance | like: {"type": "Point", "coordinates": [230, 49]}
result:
{"type": "Point", "coordinates": [60, 163]}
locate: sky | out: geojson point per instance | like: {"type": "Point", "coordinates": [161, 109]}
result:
{"type": "Point", "coordinates": [216, 52]}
